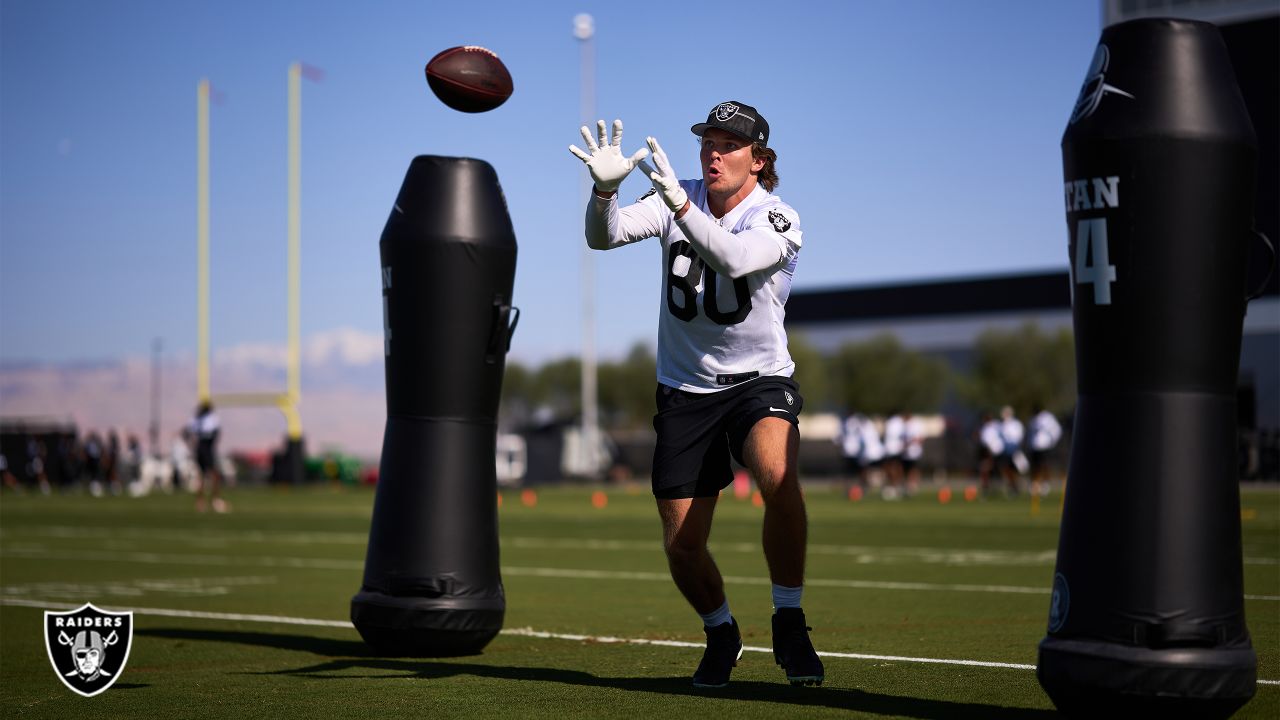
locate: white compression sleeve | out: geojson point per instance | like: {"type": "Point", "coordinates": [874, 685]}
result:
{"type": "Point", "coordinates": [608, 226]}
{"type": "Point", "coordinates": [731, 255]}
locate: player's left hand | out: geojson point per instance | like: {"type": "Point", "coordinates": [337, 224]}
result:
{"type": "Point", "coordinates": [664, 178]}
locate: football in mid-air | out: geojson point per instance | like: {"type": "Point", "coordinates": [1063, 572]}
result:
{"type": "Point", "coordinates": [469, 78]}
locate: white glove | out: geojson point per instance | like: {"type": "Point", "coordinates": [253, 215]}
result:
{"type": "Point", "coordinates": [664, 178]}
{"type": "Point", "coordinates": [607, 165]}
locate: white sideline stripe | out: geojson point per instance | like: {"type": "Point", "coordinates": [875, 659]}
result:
{"type": "Point", "coordinates": [740, 580]}
{"type": "Point", "coordinates": [862, 553]}
{"type": "Point", "coordinates": [185, 559]}
{"type": "Point", "coordinates": [515, 571]}
{"type": "Point", "coordinates": [196, 537]}
{"type": "Point", "coordinates": [811, 582]}
{"type": "Point", "coordinates": [529, 632]}
{"type": "Point", "coordinates": [198, 614]}
{"type": "Point", "coordinates": [518, 632]}
{"type": "Point", "coordinates": [159, 558]}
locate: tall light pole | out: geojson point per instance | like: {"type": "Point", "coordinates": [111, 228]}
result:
{"type": "Point", "coordinates": [584, 29]}
{"type": "Point", "coordinates": [202, 241]}
{"type": "Point", "coordinates": [153, 430]}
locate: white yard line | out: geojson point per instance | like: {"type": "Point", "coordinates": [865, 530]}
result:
{"type": "Point", "coordinates": [151, 558]}
{"type": "Point", "coordinates": [517, 632]}
{"type": "Point", "coordinates": [864, 554]}
{"type": "Point", "coordinates": [197, 586]}
{"type": "Point", "coordinates": [512, 570]}
{"type": "Point", "coordinates": [740, 580]}
{"type": "Point", "coordinates": [78, 532]}
{"type": "Point", "coordinates": [169, 612]}
{"type": "Point", "coordinates": [530, 632]}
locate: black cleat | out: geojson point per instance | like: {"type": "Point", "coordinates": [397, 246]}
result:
{"type": "Point", "coordinates": [724, 647]}
{"type": "Point", "coordinates": [793, 650]}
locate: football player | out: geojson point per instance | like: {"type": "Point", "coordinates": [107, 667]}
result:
{"type": "Point", "coordinates": [725, 387]}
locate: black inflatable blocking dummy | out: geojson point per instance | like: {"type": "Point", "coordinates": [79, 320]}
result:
{"type": "Point", "coordinates": [431, 585]}
{"type": "Point", "coordinates": [1159, 160]}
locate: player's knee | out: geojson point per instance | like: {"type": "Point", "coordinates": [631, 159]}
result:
{"type": "Point", "coordinates": [683, 549]}
{"type": "Point", "coordinates": [775, 478]}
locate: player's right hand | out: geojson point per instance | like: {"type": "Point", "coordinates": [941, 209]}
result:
{"type": "Point", "coordinates": [664, 178]}
{"type": "Point", "coordinates": [607, 165]}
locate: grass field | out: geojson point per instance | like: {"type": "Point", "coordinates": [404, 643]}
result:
{"type": "Point", "coordinates": [244, 615]}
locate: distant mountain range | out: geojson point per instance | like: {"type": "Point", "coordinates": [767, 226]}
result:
{"type": "Point", "coordinates": [343, 397]}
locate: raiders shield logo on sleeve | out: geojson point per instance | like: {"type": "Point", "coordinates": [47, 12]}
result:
{"type": "Point", "coordinates": [780, 221]}
{"type": "Point", "coordinates": [88, 647]}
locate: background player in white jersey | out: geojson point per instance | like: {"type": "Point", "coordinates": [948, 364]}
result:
{"type": "Point", "coordinates": [895, 444]}
{"type": "Point", "coordinates": [207, 428]}
{"type": "Point", "coordinates": [1043, 435]}
{"type": "Point", "coordinates": [913, 450]}
{"type": "Point", "coordinates": [990, 446]}
{"type": "Point", "coordinates": [729, 249]}
{"type": "Point", "coordinates": [872, 452]}
{"type": "Point", "coordinates": [850, 441]}
{"type": "Point", "coordinates": [1011, 461]}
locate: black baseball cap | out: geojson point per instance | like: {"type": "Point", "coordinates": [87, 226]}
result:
{"type": "Point", "coordinates": [738, 118]}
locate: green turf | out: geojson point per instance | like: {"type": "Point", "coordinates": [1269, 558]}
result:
{"type": "Point", "coordinates": [301, 553]}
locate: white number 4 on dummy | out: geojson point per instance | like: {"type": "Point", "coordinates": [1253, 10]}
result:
{"type": "Point", "coordinates": [1091, 234]}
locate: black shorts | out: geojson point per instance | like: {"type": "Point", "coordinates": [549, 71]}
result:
{"type": "Point", "coordinates": [205, 456]}
{"type": "Point", "coordinates": [697, 432]}
{"type": "Point", "coordinates": [853, 465]}
{"type": "Point", "coordinates": [1038, 458]}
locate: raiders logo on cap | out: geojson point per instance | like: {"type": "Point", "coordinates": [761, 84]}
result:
{"type": "Point", "coordinates": [737, 118]}
{"type": "Point", "coordinates": [780, 221]}
{"type": "Point", "coordinates": [724, 111]}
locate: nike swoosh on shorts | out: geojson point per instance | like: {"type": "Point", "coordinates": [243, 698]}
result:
{"type": "Point", "coordinates": [774, 409]}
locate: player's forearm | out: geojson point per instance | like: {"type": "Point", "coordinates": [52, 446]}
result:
{"type": "Point", "coordinates": [609, 226]}
{"type": "Point", "coordinates": [599, 210]}
{"type": "Point", "coordinates": [728, 254]}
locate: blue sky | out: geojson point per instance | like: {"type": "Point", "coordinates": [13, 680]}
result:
{"type": "Point", "coordinates": [916, 139]}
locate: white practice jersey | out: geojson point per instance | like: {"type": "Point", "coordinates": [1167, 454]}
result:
{"type": "Point", "coordinates": [850, 437]}
{"type": "Point", "coordinates": [895, 436]}
{"type": "Point", "coordinates": [1045, 431]}
{"type": "Point", "coordinates": [723, 282]}
{"type": "Point", "coordinates": [206, 426]}
{"type": "Point", "coordinates": [872, 448]}
{"type": "Point", "coordinates": [1011, 434]}
{"type": "Point", "coordinates": [913, 435]}
{"type": "Point", "coordinates": [990, 436]}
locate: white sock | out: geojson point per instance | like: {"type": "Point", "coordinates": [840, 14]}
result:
{"type": "Point", "coordinates": [717, 617]}
{"type": "Point", "coordinates": [786, 597]}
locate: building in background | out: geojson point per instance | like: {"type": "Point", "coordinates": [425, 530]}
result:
{"type": "Point", "coordinates": [945, 317]}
